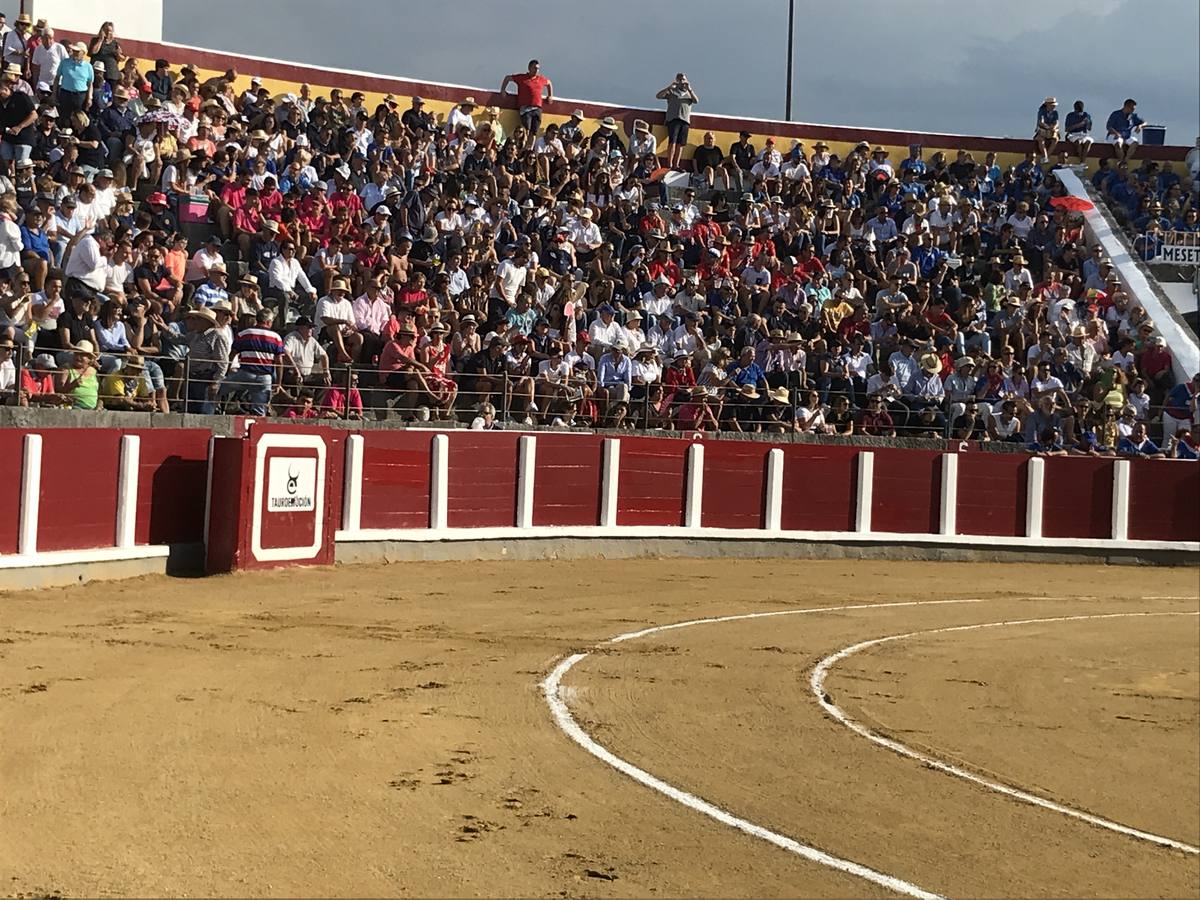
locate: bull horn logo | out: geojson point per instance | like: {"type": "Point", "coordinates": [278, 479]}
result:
{"type": "Point", "coordinates": [293, 480]}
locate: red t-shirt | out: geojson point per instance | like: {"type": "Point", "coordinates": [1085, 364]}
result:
{"type": "Point", "coordinates": [530, 88]}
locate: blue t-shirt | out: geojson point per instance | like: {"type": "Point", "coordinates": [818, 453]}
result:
{"type": "Point", "coordinates": [1123, 123]}
{"type": "Point", "coordinates": [75, 75]}
{"type": "Point", "coordinates": [1145, 448]}
{"type": "Point", "coordinates": [1078, 122]}
{"type": "Point", "coordinates": [36, 242]}
{"type": "Point", "coordinates": [751, 374]}
{"type": "Point", "coordinates": [1178, 398]}
{"type": "Point", "coordinates": [1047, 116]}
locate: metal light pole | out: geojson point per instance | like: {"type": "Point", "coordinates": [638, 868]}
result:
{"type": "Point", "coordinates": [787, 113]}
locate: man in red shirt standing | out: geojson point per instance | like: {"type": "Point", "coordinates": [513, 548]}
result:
{"type": "Point", "coordinates": [533, 89]}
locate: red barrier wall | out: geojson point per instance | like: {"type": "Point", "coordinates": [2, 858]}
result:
{"type": "Point", "coordinates": [1163, 501]}
{"type": "Point", "coordinates": [734, 476]}
{"type": "Point", "coordinates": [79, 489]}
{"type": "Point", "coordinates": [396, 479]}
{"type": "Point", "coordinates": [906, 496]}
{"type": "Point", "coordinates": [820, 487]}
{"type": "Point", "coordinates": [566, 490]}
{"type": "Point", "coordinates": [652, 481]}
{"type": "Point", "coordinates": [79, 499]}
{"type": "Point", "coordinates": [992, 491]}
{"type": "Point", "coordinates": [172, 478]}
{"type": "Point", "coordinates": [1078, 498]}
{"type": "Point", "coordinates": [483, 480]}
{"type": "Point", "coordinates": [12, 451]}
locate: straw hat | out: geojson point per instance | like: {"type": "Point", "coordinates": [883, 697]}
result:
{"type": "Point", "coordinates": [779, 395]}
{"type": "Point", "coordinates": [85, 347]}
{"type": "Point", "coordinates": [203, 313]}
{"type": "Point", "coordinates": [748, 392]}
{"type": "Point", "coordinates": [930, 363]}
{"type": "Point", "coordinates": [608, 123]}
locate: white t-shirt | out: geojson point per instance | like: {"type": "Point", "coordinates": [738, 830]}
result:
{"type": "Point", "coordinates": [47, 59]}
{"type": "Point", "coordinates": [117, 275]}
{"type": "Point", "coordinates": [201, 262]}
{"type": "Point", "coordinates": [307, 355]}
{"type": "Point", "coordinates": [1049, 384]}
{"type": "Point", "coordinates": [554, 373]}
{"type": "Point", "coordinates": [332, 308]}
{"type": "Point", "coordinates": [512, 278]}
{"type": "Point", "coordinates": [87, 263]}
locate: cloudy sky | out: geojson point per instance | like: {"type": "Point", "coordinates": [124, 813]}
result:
{"type": "Point", "coordinates": [972, 66]}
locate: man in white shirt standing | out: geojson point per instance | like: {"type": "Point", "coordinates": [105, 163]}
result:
{"type": "Point", "coordinates": [46, 58]}
{"type": "Point", "coordinates": [87, 262]}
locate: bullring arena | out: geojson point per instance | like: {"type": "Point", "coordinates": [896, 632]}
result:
{"type": "Point", "coordinates": [250, 656]}
{"type": "Point", "coordinates": [385, 730]}
{"type": "Point", "coordinates": [461, 707]}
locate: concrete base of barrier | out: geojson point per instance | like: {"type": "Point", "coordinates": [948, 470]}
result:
{"type": "Point", "coordinates": [50, 570]}
{"type": "Point", "coordinates": [77, 567]}
{"type": "Point", "coordinates": [368, 552]}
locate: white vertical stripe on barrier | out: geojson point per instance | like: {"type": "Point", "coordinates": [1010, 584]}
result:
{"type": "Point", "coordinates": [526, 475]}
{"type": "Point", "coordinates": [948, 517]}
{"type": "Point", "coordinates": [127, 489]}
{"type": "Point", "coordinates": [439, 481]}
{"type": "Point", "coordinates": [1120, 500]}
{"type": "Point", "coordinates": [352, 484]}
{"type": "Point", "coordinates": [774, 507]}
{"type": "Point", "coordinates": [693, 504]}
{"type": "Point", "coordinates": [609, 479]}
{"type": "Point", "coordinates": [865, 493]}
{"type": "Point", "coordinates": [31, 494]}
{"type": "Point", "coordinates": [1035, 485]}
{"type": "Point", "coordinates": [208, 480]}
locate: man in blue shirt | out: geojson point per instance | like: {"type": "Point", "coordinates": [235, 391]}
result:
{"type": "Point", "coordinates": [1124, 130]}
{"type": "Point", "coordinates": [747, 371]}
{"type": "Point", "coordinates": [1138, 444]}
{"type": "Point", "coordinates": [1078, 131]}
{"type": "Point", "coordinates": [73, 81]}
{"type": "Point", "coordinates": [914, 163]}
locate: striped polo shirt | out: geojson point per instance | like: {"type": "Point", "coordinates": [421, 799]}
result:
{"type": "Point", "coordinates": [257, 349]}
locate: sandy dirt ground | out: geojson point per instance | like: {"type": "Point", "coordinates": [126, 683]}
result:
{"type": "Point", "coordinates": [380, 731]}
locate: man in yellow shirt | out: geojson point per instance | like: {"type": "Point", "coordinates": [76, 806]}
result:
{"type": "Point", "coordinates": [833, 313]}
{"type": "Point", "coordinates": [126, 388]}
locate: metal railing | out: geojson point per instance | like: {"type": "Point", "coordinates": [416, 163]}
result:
{"type": "Point", "coordinates": [348, 392]}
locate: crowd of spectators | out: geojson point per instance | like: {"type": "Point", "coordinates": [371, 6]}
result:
{"type": "Point", "coordinates": [388, 261]}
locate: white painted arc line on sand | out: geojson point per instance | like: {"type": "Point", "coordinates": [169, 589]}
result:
{"type": "Point", "coordinates": [564, 719]}
{"type": "Point", "coordinates": [551, 689]}
{"type": "Point", "coordinates": [821, 671]}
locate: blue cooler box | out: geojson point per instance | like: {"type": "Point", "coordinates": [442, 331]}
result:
{"type": "Point", "coordinates": [1154, 135]}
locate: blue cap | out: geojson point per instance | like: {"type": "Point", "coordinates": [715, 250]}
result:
{"type": "Point", "coordinates": [608, 308]}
